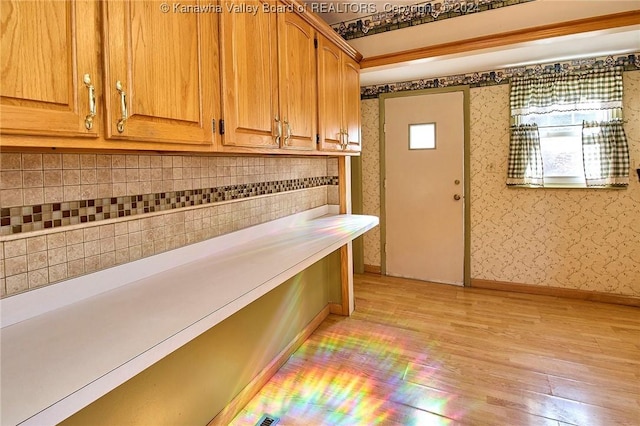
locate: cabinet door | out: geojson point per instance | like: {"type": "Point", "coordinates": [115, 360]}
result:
{"type": "Point", "coordinates": [47, 47]}
{"type": "Point", "coordinates": [329, 95]}
{"type": "Point", "coordinates": [167, 66]}
{"type": "Point", "coordinates": [249, 76]}
{"type": "Point", "coordinates": [351, 81]}
{"type": "Point", "coordinates": [298, 87]}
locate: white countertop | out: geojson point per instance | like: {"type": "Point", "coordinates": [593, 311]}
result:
{"type": "Point", "coordinates": [106, 327]}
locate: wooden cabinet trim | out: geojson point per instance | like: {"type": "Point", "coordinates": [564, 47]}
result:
{"type": "Point", "coordinates": [506, 38]}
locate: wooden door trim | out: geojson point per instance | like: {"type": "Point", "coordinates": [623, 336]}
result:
{"type": "Point", "coordinates": [466, 173]}
{"type": "Point", "coordinates": [507, 38]}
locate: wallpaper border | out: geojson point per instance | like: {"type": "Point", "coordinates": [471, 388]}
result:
{"type": "Point", "coordinates": [630, 62]}
{"type": "Point", "coordinates": [403, 16]}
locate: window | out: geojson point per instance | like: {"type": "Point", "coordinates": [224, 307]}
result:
{"type": "Point", "coordinates": [422, 136]}
{"type": "Point", "coordinates": [560, 135]}
{"type": "Point", "coordinates": [567, 131]}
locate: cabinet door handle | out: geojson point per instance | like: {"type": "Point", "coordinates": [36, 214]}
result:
{"type": "Point", "coordinates": [343, 144]}
{"type": "Point", "coordinates": [88, 120]}
{"type": "Point", "coordinates": [278, 130]}
{"type": "Point", "coordinates": [123, 107]}
{"type": "Point", "coordinates": [346, 140]}
{"type": "Point", "coordinates": [288, 135]}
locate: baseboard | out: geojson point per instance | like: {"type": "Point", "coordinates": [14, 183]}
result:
{"type": "Point", "coordinates": [242, 399]}
{"type": "Point", "coordinates": [372, 269]}
{"type": "Point", "coordinates": [570, 293]}
{"type": "Point", "coordinates": [336, 308]}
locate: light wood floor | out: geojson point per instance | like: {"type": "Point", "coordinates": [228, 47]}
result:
{"type": "Point", "coordinates": [415, 353]}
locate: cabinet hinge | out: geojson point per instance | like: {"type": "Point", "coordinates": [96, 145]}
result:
{"type": "Point", "coordinates": [222, 127]}
{"type": "Point", "coordinates": [315, 43]}
{"type": "Point", "coordinates": [317, 138]}
{"type": "Point", "coordinates": [384, 128]}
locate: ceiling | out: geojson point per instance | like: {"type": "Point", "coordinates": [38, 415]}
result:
{"type": "Point", "coordinates": [618, 41]}
{"type": "Point", "coordinates": [614, 41]}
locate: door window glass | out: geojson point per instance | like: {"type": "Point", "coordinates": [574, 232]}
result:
{"type": "Point", "coordinates": [422, 136]}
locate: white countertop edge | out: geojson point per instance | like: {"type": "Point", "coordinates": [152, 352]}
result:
{"type": "Point", "coordinates": [26, 305]}
{"type": "Point", "coordinates": [101, 386]}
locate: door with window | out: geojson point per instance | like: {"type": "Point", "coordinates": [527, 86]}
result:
{"type": "Point", "coordinates": [424, 187]}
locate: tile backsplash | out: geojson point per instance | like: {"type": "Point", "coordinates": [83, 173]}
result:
{"type": "Point", "coordinates": [64, 215]}
{"type": "Point", "coordinates": [15, 220]}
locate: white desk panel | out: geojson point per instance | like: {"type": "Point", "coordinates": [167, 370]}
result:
{"type": "Point", "coordinates": [56, 362]}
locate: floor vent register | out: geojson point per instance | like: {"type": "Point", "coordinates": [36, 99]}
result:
{"type": "Point", "coordinates": [267, 420]}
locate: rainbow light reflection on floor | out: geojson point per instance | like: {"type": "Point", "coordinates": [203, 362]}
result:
{"type": "Point", "coordinates": [369, 387]}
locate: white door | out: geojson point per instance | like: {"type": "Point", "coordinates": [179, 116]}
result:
{"type": "Point", "coordinates": [424, 189]}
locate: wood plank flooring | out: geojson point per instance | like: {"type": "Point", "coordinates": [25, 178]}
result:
{"type": "Point", "coordinates": [416, 353]}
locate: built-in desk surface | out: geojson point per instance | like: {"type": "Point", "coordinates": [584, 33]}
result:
{"type": "Point", "coordinates": [66, 345]}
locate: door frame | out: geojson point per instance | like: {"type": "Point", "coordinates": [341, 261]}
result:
{"type": "Point", "coordinates": [466, 173]}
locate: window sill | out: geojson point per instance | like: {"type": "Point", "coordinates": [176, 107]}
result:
{"type": "Point", "coordinates": [568, 186]}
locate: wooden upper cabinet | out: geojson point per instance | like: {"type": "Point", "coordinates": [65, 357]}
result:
{"type": "Point", "coordinates": [268, 78]}
{"type": "Point", "coordinates": [298, 87]}
{"type": "Point", "coordinates": [338, 99]}
{"type": "Point", "coordinates": [161, 71]}
{"type": "Point", "coordinates": [47, 48]}
{"type": "Point", "coordinates": [249, 77]}
{"type": "Point", "coordinates": [351, 103]}
{"type": "Point", "coordinates": [330, 102]}
{"type": "Point", "coordinates": [128, 74]}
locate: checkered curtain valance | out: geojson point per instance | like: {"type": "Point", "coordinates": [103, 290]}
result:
{"type": "Point", "coordinates": [604, 144]}
{"type": "Point", "coordinates": [605, 154]}
{"type": "Point", "coordinates": [596, 89]}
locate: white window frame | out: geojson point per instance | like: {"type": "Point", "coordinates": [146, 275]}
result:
{"type": "Point", "coordinates": [564, 130]}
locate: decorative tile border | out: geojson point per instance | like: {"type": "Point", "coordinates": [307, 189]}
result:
{"type": "Point", "coordinates": [32, 260]}
{"type": "Point", "coordinates": [16, 220]}
{"type": "Point", "coordinates": [503, 76]}
{"type": "Point", "coordinates": [395, 16]}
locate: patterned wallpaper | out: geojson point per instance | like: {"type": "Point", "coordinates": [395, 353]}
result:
{"type": "Point", "coordinates": [371, 177]}
{"type": "Point", "coordinates": [580, 239]}
{"type": "Point", "coordinates": [568, 238]}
